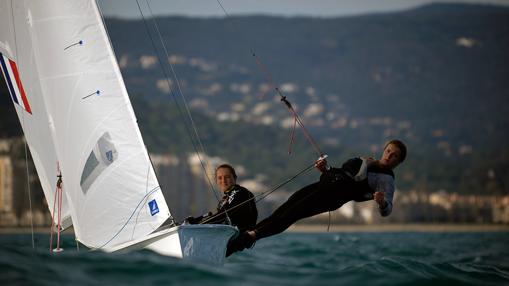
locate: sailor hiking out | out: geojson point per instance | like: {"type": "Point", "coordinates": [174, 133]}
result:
{"type": "Point", "coordinates": [359, 179]}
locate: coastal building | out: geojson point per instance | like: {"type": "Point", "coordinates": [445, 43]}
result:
{"type": "Point", "coordinates": [7, 217]}
{"type": "Point", "coordinates": [5, 184]}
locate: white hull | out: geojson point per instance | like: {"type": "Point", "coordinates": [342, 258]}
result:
{"type": "Point", "coordinates": [202, 243]}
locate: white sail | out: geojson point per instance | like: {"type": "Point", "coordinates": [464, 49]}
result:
{"type": "Point", "coordinates": [20, 72]}
{"type": "Point", "coordinates": [110, 185]}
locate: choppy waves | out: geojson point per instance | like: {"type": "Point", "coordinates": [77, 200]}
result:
{"type": "Point", "coordinates": [287, 259]}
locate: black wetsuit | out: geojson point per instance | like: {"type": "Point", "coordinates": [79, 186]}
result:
{"type": "Point", "coordinates": [243, 216]}
{"type": "Point", "coordinates": [335, 188]}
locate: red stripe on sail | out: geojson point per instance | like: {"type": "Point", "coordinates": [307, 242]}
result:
{"type": "Point", "coordinates": [20, 86]}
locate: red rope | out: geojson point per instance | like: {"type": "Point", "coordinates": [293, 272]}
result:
{"type": "Point", "coordinates": [289, 106]}
{"type": "Point", "coordinates": [59, 215]}
{"type": "Point", "coordinates": [52, 222]}
{"type": "Point", "coordinates": [57, 197]}
{"type": "Point", "coordinates": [301, 124]}
{"type": "Point", "coordinates": [292, 136]}
{"type": "Point", "coordinates": [266, 73]}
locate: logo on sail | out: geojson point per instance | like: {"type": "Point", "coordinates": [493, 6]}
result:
{"type": "Point", "coordinates": [13, 81]}
{"type": "Point", "coordinates": [152, 205]}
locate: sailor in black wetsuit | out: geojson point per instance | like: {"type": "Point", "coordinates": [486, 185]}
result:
{"type": "Point", "coordinates": [359, 179]}
{"type": "Point", "coordinates": [237, 207]}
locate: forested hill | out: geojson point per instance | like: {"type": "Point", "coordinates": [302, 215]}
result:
{"type": "Point", "coordinates": [436, 76]}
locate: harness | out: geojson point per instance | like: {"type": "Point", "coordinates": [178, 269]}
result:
{"type": "Point", "coordinates": [359, 189]}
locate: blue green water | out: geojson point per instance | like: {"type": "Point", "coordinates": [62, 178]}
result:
{"type": "Point", "coordinates": [287, 259]}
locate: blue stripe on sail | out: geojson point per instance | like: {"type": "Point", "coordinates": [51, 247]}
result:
{"type": "Point", "coordinates": [8, 79]}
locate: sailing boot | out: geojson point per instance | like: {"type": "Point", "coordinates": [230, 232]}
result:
{"type": "Point", "coordinates": [239, 243]}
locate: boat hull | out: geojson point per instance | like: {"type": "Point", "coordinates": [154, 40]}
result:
{"type": "Point", "coordinates": [201, 243]}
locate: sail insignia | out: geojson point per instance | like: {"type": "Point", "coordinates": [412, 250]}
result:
{"type": "Point", "coordinates": [154, 209]}
{"type": "Point", "coordinates": [102, 155]}
{"type": "Point", "coordinates": [13, 81]}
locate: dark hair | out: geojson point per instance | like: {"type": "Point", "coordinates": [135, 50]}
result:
{"type": "Point", "coordinates": [226, 166]}
{"type": "Point", "coordinates": [400, 145]}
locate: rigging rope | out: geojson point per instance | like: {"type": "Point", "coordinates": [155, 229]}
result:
{"type": "Point", "coordinates": [297, 119]}
{"type": "Point", "coordinates": [26, 152]}
{"type": "Point", "coordinates": [146, 191]}
{"type": "Point", "coordinates": [167, 77]}
{"type": "Point", "coordinates": [57, 198]}
{"type": "Point", "coordinates": [275, 87]}
{"type": "Point", "coordinates": [263, 195]}
{"type": "Point", "coordinates": [296, 116]}
{"type": "Point", "coordinates": [129, 219]}
{"type": "Point", "coordinates": [29, 193]}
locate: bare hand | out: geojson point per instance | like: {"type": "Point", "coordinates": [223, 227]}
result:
{"type": "Point", "coordinates": [379, 197]}
{"type": "Point", "coordinates": [370, 161]}
{"type": "Point", "coordinates": [321, 164]}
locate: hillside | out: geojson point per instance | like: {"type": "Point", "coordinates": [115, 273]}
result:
{"type": "Point", "coordinates": [434, 76]}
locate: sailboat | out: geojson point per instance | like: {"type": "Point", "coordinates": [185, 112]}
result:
{"type": "Point", "coordinates": [73, 106]}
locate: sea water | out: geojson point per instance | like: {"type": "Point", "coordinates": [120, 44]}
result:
{"type": "Point", "coordinates": [399, 258]}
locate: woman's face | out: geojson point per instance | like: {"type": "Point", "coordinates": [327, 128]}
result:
{"type": "Point", "coordinates": [391, 156]}
{"type": "Point", "coordinates": [224, 179]}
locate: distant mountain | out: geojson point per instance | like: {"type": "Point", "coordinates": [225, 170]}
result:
{"type": "Point", "coordinates": [435, 76]}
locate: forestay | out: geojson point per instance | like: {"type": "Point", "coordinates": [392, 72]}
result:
{"type": "Point", "coordinates": [111, 188]}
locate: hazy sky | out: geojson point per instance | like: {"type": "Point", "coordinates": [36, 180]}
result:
{"type": "Point", "coordinates": [320, 8]}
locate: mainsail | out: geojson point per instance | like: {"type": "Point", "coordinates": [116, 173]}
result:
{"type": "Point", "coordinates": [81, 117]}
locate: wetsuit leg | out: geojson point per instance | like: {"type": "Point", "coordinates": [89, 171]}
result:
{"type": "Point", "coordinates": [306, 202]}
